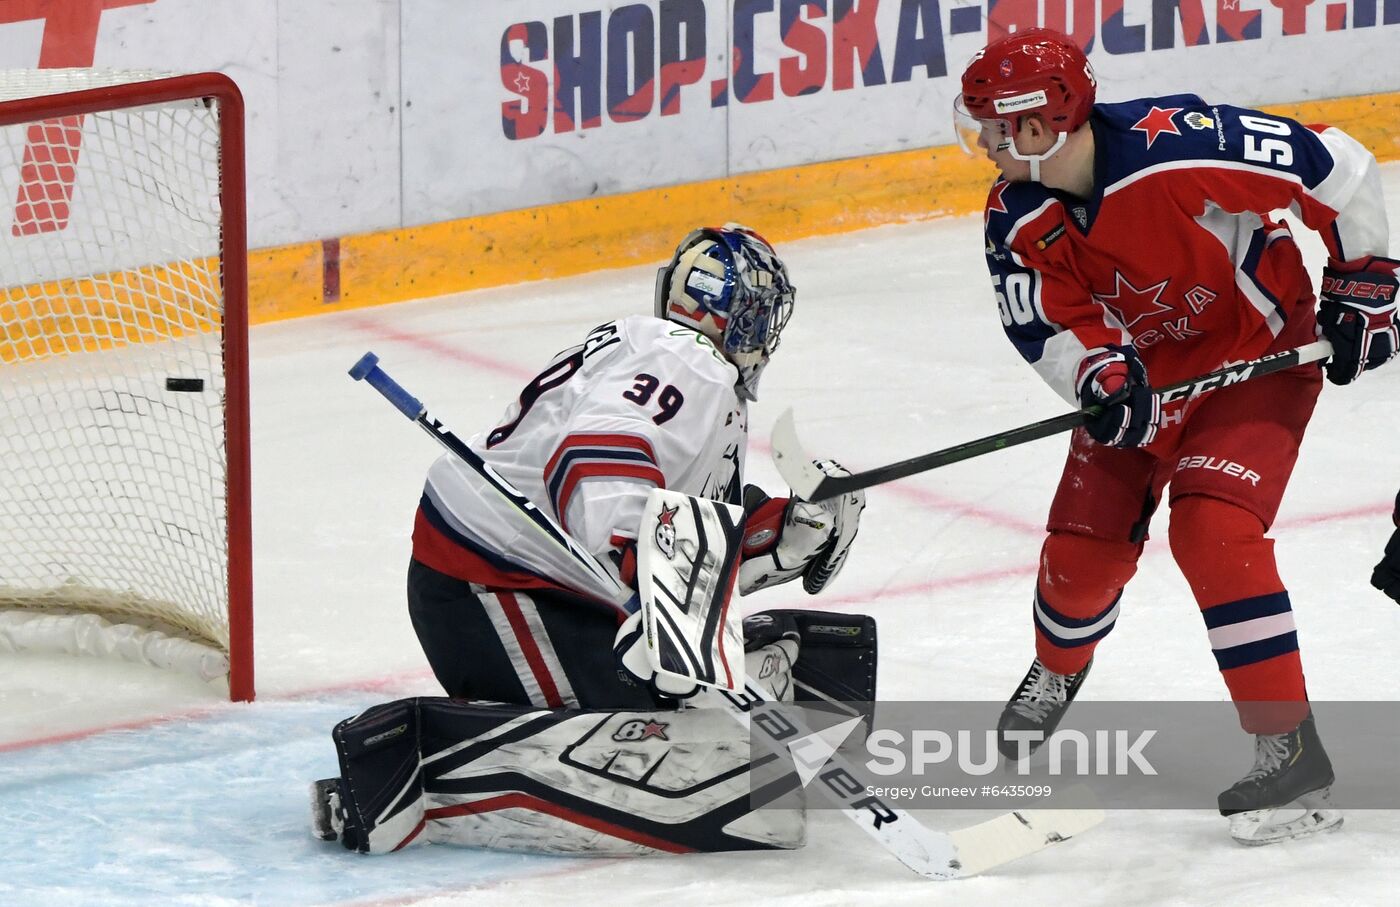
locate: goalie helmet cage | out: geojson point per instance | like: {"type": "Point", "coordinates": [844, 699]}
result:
{"type": "Point", "coordinates": [125, 523]}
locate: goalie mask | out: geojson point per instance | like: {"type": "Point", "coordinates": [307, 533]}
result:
{"type": "Point", "coordinates": [728, 284]}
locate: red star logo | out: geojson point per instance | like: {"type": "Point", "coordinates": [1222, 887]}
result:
{"type": "Point", "coordinates": [994, 201]}
{"type": "Point", "coordinates": [655, 729]}
{"type": "Point", "coordinates": [1158, 121]}
{"type": "Point", "coordinates": [667, 516]}
{"type": "Point", "coordinates": [1127, 298]}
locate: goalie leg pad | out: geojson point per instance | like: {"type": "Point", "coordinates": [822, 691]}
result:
{"type": "Point", "coordinates": [377, 804]}
{"type": "Point", "coordinates": [552, 781]}
{"type": "Point", "coordinates": [836, 658]}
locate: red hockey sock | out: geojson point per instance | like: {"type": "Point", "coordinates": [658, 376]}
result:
{"type": "Point", "coordinates": [1224, 555]}
{"type": "Point", "coordinates": [1076, 601]}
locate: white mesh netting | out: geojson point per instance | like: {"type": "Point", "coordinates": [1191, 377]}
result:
{"type": "Point", "coordinates": [113, 479]}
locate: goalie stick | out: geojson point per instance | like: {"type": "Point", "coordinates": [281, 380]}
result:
{"type": "Point", "coordinates": [808, 482]}
{"type": "Point", "coordinates": [685, 580]}
{"type": "Point", "coordinates": [936, 855]}
{"type": "Point", "coordinates": [367, 369]}
{"type": "Point", "coordinates": [932, 854]}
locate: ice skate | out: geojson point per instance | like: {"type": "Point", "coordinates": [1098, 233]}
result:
{"type": "Point", "coordinates": [1287, 793]}
{"type": "Point", "coordinates": [1038, 705]}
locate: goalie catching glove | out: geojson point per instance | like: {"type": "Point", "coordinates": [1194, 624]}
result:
{"type": "Point", "coordinates": [785, 538]}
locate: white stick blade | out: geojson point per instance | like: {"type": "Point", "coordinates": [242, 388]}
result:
{"type": "Point", "coordinates": [1018, 834]}
{"type": "Point", "coordinates": [793, 462]}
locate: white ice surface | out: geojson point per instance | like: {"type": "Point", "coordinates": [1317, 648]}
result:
{"type": "Point", "coordinates": [895, 350]}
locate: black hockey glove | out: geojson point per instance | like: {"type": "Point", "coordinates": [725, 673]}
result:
{"type": "Point", "coordinates": [1358, 315]}
{"type": "Point", "coordinates": [1116, 380]}
{"type": "Point", "coordinates": [1386, 576]}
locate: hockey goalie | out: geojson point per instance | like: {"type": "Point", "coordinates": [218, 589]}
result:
{"type": "Point", "coordinates": [558, 733]}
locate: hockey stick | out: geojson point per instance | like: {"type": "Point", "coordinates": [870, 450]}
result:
{"type": "Point", "coordinates": [685, 608]}
{"type": "Point", "coordinates": [811, 484]}
{"type": "Point", "coordinates": [932, 854]}
{"type": "Point", "coordinates": [368, 370]}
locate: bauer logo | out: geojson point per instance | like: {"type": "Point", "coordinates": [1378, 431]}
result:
{"type": "Point", "coordinates": [1220, 465]}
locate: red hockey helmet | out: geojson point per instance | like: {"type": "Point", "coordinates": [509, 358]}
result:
{"type": "Point", "coordinates": [1037, 70]}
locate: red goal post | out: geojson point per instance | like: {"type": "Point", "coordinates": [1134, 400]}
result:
{"type": "Point", "coordinates": [125, 506]}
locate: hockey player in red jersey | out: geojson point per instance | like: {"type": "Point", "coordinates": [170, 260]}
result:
{"type": "Point", "coordinates": [1131, 244]}
{"type": "Point", "coordinates": [558, 735]}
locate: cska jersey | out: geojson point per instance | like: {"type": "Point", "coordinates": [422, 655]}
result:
{"type": "Point", "coordinates": [642, 403]}
{"type": "Point", "coordinates": [1176, 252]}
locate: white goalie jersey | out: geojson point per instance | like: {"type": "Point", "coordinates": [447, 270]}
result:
{"type": "Point", "coordinates": [641, 403]}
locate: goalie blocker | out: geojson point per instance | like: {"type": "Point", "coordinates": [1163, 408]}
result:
{"type": "Point", "coordinates": [601, 782]}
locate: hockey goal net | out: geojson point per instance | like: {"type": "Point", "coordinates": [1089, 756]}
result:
{"type": "Point", "coordinates": [124, 498]}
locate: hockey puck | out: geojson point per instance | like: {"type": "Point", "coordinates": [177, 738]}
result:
{"type": "Point", "coordinates": [185, 385]}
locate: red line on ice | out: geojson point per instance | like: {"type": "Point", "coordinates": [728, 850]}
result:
{"type": "Point", "coordinates": [914, 494]}
{"type": "Point", "coordinates": [384, 331]}
{"type": "Point", "coordinates": [371, 684]}
{"type": "Point", "coordinates": [393, 681]}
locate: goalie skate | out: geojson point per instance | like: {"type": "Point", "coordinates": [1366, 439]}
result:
{"type": "Point", "coordinates": [1286, 794]}
{"type": "Point", "coordinates": [327, 820]}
